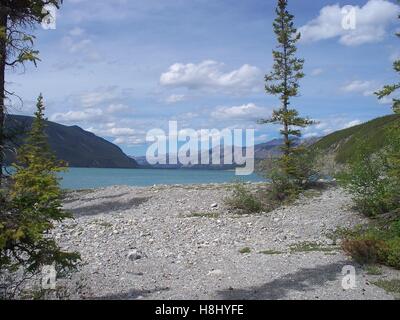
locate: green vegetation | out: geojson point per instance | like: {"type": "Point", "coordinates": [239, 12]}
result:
{"type": "Point", "coordinates": [390, 286]}
{"type": "Point", "coordinates": [243, 200]}
{"type": "Point", "coordinates": [373, 270]}
{"type": "Point", "coordinates": [246, 250]}
{"type": "Point", "coordinates": [343, 143]}
{"type": "Point", "coordinates": [211, 215]}
{"type": "Point", "coordinates": [271, 252]}
{"type": "Point", "coordinates": [375, 244]}
{"type": "Point", "coordinates": [31, 206]}
{"type": "Point", "coordinates": [16, 47]}
{"type": "Point", "coordinates": [288, 173]}
{"type": "Point", "coordinates": [369, 182]}
{"type": "Point", "coordinates": [311, 247]}
{"type": "Point", "coordinates": [373, 179]}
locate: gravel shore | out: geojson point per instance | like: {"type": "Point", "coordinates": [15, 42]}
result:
{"type": "Point", "coordinates": [181, 242]}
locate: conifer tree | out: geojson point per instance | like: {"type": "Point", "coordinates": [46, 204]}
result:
{"type": "Point", "coordinates": [34, 205]}
{"type": "Point", "coordinates": [16, 46]}
{"type": "Point", "coordinates": [283, 81]}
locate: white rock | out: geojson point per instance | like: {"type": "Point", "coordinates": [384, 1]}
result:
{"type": "Point", "coordinates": [135, 255]}
{"type": "Point", "coordinates": [215, 273]}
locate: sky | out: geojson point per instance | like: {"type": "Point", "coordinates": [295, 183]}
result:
{"type": "Point", "coordinates": [120, 68]}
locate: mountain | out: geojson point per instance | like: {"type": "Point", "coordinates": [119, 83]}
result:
{"type": "Point", "coordinates": [343, 143]}
{"type": "Point", "coordinates": [79, 148]}
{"type": "Point", "coordinates": [261, 151]}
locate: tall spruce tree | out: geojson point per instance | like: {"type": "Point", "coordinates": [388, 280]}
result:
{"type": "Point", "coordinates": [16, 46]}
{"type": "Point", "coordinates": [33, 206]}
{"type": "Point", "coordinates": [283, 81]}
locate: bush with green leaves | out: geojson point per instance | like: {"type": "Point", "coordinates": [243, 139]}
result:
{"type": "Point", "coordinates": [370, 182]}
{"type": "Point", "coordinates": [31, 206]}
{"type": "Point", "coordinates": [375, 244]}
{"type": "Point", "coordinates": [243, 200]}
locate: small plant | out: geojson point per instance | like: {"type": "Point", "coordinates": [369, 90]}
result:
{"type": "Point", "coordinates": [373, 270]}
{"type": "Point", "coordinates": [310, 247]}
{"type": "Point", "coordinates": [244, 200]}
{"type": "Point", "coordinates": [210, 215]}
{"type": "Point", "coordinates": [390, 286]}
{"type": "Point", "coordinates": [270, 252]}
{"type": "Point", "coordinates": [246, 250]}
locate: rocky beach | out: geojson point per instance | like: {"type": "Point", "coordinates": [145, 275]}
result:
{"type": "Point", "coordinates": [182, 242]}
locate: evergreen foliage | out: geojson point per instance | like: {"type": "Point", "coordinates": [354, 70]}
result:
{"type": "Point", "coordinates": [31, 206]}
{"type": "Point", "coordinates": [283, 81]}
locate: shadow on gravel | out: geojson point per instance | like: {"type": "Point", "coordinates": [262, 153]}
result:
{"type": "Point", "coordinates": [132, 294]}
{"type": "Point", "coordinates": [108, 207]}
{"type": "Point", "coordinates": [303, 280]}
{"type": "Point", "coordinates": [78, 197]}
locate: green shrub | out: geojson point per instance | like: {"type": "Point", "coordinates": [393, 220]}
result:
{"type": "Point", "coordinates": [375, 244]}
{"type": "Point", "coordinates": [244, 200]}
{"type": "Point", "coordinates": [368, 181]}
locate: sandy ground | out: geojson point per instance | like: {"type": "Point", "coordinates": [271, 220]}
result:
{"type": "Point", "coordinates": [181, 242]}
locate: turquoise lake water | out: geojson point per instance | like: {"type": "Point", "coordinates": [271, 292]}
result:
{"type": "Point", "coordinates": [87, 178]}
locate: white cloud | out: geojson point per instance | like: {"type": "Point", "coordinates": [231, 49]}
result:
{"type": "Point", "coordinates": [209, 75]}
{"type": "Point", "coordinates": [82, 48]}
{"type": "Point", "coordinates": [327, 126]}
{"type": "Point", "coordinates": [77, 116]}
{"type": "Point", "coordinates": [366, 88]}
{"type": "Point", "coordinates": [372, 21]}
{"type": "Point", "coordinates": [352, 124]}
{"type": "Point", "coordinates": [316, 72]}
{"type": "Point", "coordinates": [244, 112]}
{"type": "Point", "coordinates": [116, 108]}
{"type": "Point", "coordinates": [129, 141]}
{"type": "Point", "coordinates": [76, 32]}
{"type": "Point", "coordinates": [174, 98]}
{"type": "Point", "coordinates": [99, 96]}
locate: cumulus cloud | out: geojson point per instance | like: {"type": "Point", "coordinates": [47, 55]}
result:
{"type": "Point", "coordinates": [210, 75]}
{"type": "Point", "coordinates": [366, 88]}
{"type": "Point", "coordinates": [248, 111]}
{"type": "Point", "coordinates": [327, 126]}
{"type": "Point", "coordinates": [77, 116]}
{"type": "Point", "coordinates": [371, 23]}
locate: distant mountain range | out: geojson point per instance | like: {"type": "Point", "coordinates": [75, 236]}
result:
{"type": "Point", "coordinates": [79, 148]}
{"type": "Point", "coordinates": [261, 151]}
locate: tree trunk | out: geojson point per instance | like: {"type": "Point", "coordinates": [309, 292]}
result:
{"type": "Point", "coordinates": [3, 51]}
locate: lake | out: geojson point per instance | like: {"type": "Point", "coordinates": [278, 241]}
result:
{"type": "Point", "coordinates": [87, 178]}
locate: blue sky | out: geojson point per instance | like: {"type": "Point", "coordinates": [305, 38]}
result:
{"type": "Point", "coordinates": [120, 68]}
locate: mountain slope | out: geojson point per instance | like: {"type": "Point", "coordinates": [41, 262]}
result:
{"type": "Point", "coordinates": [76, 146]}
{"type": "Point", "coordinates": [343, 143]}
